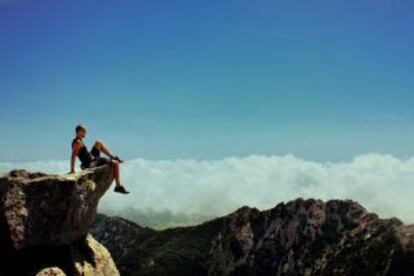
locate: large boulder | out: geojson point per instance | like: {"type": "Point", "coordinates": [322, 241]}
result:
{"type": "Point", "coordinates": [45, 222]}
{"type": "Point", "coordinates": [96, 260]}
{"type": "Point", "coordinates": [83, 257]}
{"type": "Point", "coordinates": [41, 209]}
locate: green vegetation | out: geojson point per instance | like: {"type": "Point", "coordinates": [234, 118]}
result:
{"type": "Point", "coordinates": [160, 219]}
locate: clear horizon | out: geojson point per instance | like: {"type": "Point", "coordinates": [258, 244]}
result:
{"type": "Point", "coordinates": [380, 183]}
{"type": "Point", "coordinates": [207, 81]}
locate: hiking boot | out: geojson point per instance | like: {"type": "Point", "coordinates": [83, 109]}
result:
{"type": "Point", "coordinates": [121, 190]}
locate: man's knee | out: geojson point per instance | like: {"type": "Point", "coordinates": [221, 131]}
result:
{"type": "Point", "coordinates": [98, 144]}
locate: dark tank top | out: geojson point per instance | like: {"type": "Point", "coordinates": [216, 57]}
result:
{"type": "Point", "coordinates": [84, 156]}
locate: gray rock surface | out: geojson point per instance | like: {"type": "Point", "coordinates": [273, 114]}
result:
{"type": "Point", "coordinates": [41, 209]}
{"type": "Point", "coordinates": [45, 221]}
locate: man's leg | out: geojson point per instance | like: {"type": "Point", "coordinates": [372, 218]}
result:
{"type": "Point", "coordinates": [119, 188]}
{"type": "Point", "coordinates": [117, 175]}
{"type": "Point", "coordinates": [99, 145]}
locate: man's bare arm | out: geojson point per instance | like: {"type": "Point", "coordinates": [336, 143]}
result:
{"type": "Point", "coordinates": [75, 149]}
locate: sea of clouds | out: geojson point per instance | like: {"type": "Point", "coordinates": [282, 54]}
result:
{"type": "Point", "coordinates": [381, 183]}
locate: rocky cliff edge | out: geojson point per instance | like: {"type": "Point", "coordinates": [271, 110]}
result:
{"type": "Point", "coordinates": [45, 221]}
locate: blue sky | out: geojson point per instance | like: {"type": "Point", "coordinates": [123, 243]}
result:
{"type": "Point", "coordinates": [323, 80]}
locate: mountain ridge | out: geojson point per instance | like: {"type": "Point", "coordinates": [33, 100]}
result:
{"type": "Point", "coordinates": [299, 237]}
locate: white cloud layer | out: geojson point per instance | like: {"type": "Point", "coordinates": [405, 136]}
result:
{"type": "Point", "coordinates": [382, 183]}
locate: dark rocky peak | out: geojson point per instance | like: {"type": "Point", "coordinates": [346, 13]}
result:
{"type": "Point", "coordinates": [299, 237]}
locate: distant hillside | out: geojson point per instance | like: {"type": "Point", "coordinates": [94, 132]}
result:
{"type": "Point", "coordinates": [159, 219]}
{"type": "Point", "coordinates": [301, 237]}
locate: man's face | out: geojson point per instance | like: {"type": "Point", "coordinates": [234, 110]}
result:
{"type": "Point", "coordinates": [82, 133]}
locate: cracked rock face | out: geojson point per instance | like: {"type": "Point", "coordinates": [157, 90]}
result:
{"type": "Point", "coordinates": [45, 222]}
{"type": "Point", "coordinates": [39, 209]}
{"type": "Point", "coordinates": [84, 256]}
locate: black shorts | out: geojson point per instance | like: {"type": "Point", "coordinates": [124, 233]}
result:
{"type": "Point", "coordinates": [99, 161]}
{"type": "Point", "coordinates": [96, 162]}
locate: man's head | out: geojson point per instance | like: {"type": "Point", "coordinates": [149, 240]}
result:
{"type": "Point", "coordinates": [80, 131]}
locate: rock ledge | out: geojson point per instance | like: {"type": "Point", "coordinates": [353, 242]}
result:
{"type": "Point", "coordinates": [45, 221]}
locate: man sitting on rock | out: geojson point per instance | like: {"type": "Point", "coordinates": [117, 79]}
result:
{"type": "Point", "coordinates": [92, 159]}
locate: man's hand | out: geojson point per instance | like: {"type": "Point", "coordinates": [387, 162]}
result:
{"type": "Point", "coordinates": [75, 151]}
